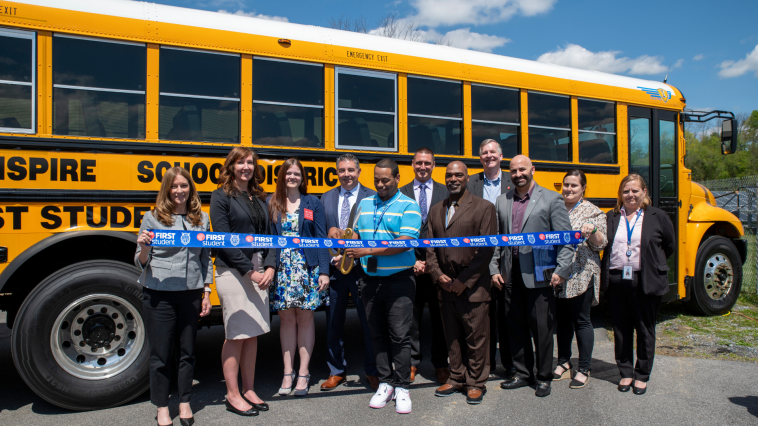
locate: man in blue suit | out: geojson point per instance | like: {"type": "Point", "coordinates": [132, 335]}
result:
{"type": "Point", "coordinates": [338, 206]}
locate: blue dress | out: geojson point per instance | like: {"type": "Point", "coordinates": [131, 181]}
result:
{"type": "Point", "coordinates": [296, 283]}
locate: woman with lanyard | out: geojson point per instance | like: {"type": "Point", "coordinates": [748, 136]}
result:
{"type": "Point", "coordinates": [635, 277]}
{"type": "Point", "coordinates": [302, 274]}
{"type": "Point", "coordinates": [174, 281]}
{"type": "Point", "coordinates": [582, 290]}
{"type": "Point", "coordinates": [243, 276]}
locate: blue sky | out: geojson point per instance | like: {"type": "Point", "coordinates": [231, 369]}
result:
{"type": "Point", "coordinates": [709, 49]}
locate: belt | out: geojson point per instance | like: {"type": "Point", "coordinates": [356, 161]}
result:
{"type": "Point", "coordinates": [402, 274]}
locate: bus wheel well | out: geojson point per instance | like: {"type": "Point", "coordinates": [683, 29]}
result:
{"type": "Point", "coordinates": [79, 247]}
{"type": "Point", "coordinates": [727, 230]}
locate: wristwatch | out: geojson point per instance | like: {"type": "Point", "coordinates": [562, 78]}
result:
{"type": "Point", "coordinates": [208, 290]}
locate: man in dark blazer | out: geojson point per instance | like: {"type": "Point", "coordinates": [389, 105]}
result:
{"type": "Point", "coordinates": [531, 312]}
{"type": "Point", "coordinates": [490, 184]}
{"type": "Point", "coordinates": [463, 279]}
{"type": "Point", "coordinates": [338, 203]}
{"type": "Point", "coordinates": [427, 193]}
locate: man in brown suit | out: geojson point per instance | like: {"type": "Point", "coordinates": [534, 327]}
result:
{"type": "Point", "coordinates": [463, 279]}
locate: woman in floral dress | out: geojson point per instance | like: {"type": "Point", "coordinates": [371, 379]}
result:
{"type": "Point", "coordinates": [302, 278]}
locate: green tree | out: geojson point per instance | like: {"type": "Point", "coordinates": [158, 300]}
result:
{"type": "Point", "coordinates": [704, 157]}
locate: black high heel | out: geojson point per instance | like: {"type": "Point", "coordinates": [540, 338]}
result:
{"type": "Point", "coordinates": [260, 407]}
{"type": "Point", "coordinates": [625, 388]}
{"type": "Point", "coordinates": [566, 372]}
{"type": "Point", "coordinates": [247, 413]}
{"type": "Point", "coordinates": [638, 391]}
{"type": "Point", "coordinates": [187, 422]}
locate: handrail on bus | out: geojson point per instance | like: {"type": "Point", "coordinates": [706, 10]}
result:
{"type": "Point", "coordinates": [689, 115]}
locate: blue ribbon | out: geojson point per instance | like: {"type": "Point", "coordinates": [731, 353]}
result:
{"type": "Point", "coordinates": [169, 238]}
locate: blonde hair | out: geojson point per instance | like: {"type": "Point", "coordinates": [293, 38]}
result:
{"type": "Point", "coordinates": [629, 178]}
{"type": "Point", "coordinates": [164, 205]}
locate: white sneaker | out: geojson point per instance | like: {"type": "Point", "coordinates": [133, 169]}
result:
{"type": "Point", "coordinates": [382, 396]}
{"type": "Point", "coordinates": [402, 401]}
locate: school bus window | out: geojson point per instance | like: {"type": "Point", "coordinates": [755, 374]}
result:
{"type": "Point", "coordinates": [597, 131]}
{"type": "Point", "coordinates": [199, 96]}
{"type": "Point", "coordinates": [17, 64]}
{"type": "Point", "coordinates": [549, 127]}
{"type": "Point", "coordinates": [366, 107]}
{"type": "Point", "coordinates": [98, 87]}
{"type": "Point", "coordinates": [495, 115]}
{"type": "Point", "coordinates": [435, 115]}
{"type": "Point", "coordinates": [288, 103]}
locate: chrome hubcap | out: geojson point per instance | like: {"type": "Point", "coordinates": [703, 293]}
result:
{"type": "Point", "coordinates": [97, 336]}
{"type": "Point", "coordinates": [718, 276]}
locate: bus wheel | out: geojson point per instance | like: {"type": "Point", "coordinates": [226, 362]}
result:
{"type": "Point", "coordinates": [718, 277]}
{"type": "Point", "coordinates": [79, 339]}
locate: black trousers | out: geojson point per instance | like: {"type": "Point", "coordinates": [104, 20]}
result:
{"type": "Point", "coordinates": [632, 310]}
{"type": "Point", "coordinates": [171, 316]}
{"type": "Point", "coordinates": [531, 314]}
{"type": "Point", "coordinates": [426, 292]}
{"type": "Point", "coordinates": [389, 309]}
{"type": "Point", "coordinates": [501, 299]}
{"type": "Point", "coordinates": [573, 316]}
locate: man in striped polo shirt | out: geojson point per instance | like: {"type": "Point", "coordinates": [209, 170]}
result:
{"type": "Point", "coordinates": [388, 285]}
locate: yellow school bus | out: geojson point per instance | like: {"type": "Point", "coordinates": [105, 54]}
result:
{"type": "Point", "coordinates": [98, 98]}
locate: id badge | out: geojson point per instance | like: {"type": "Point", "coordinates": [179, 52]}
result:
{"type": "Point", "coordinates": [628, 273]}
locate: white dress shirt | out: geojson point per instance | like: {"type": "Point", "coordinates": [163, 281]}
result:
{"type": "Point", "coordinates": [429, 189]}
{"type": "Point", "coordinates": [350, 201]}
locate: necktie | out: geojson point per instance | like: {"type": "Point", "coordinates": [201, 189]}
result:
{"type": "Point", "coordinates": [422, 201]}
{"type": "Point", "coordinates": [450, 213]}
{"type": "Point", "coordinates": [345, 213]}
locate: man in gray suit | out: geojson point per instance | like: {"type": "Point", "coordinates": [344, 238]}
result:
{"type": "Point", "coordinates": [490, 184]}
{"type": "Point", "coordinates": [427, 193]}
{"type": "Point", "coordinates": [531, 312]}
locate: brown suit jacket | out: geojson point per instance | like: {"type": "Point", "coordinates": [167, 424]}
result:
{"type": "Point", "coordinates": [474, 217]}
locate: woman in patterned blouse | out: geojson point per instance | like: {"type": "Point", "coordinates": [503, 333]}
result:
{"type": "Point", "coordinates": [581, 291]}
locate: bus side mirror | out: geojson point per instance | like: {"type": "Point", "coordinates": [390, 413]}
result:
{"type": "Point", "coordinates": [729, 131]}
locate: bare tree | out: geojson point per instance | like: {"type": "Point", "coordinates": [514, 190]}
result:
{"type": "Point", "coordinates": [357, 25]}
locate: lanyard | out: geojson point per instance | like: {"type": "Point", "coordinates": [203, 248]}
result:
{"type": "Point", "coordinates": [629, 233]}
{"type": "Point", "coordinates": [576, 205]}
{"type": "Point", "coordinates": [376, 211]}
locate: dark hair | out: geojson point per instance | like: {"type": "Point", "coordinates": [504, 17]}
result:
{"type": "Point", "coordinates": [226, 179]}
{"type": "Point", "coordinates": [580, 174]}
{"type": "Point", "coordinates": [278, 203]}
{"type": "Point", "coordinates": [423, 150]}
{"type": "Point", "coordinates": [386, 163]}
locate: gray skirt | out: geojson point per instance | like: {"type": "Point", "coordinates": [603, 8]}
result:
{"type": "Point", "coordinates": [245, 306]}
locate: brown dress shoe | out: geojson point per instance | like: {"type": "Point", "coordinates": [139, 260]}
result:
{"type": "Point", "coordinates": [332, 382]}
{"type": "Point", "coordinates": [443, 374]}
{"type": "Point", "coordinates": [413, 373]}
{"type": "Point", "coordinates": [474, 396]}
{"type": "Point", "coordinates": [446, 390]}
{"type": "Point", "coordinates": [373, 381]}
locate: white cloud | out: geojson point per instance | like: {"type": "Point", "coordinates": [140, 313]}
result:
{"type": "Point", "coordinates": [731, 69]}
{"type": "Point", "coordinates": [434, 13]}
{"type": "Point", "coordinates": [240, 12]}
{"type": "Point", "coordinates": [698, 57]}
{"type": "Point", "coordinates": [463, 38]}
{"type": "Point", "coordinates": [576, 56]}
{"type": "Point", "coordinates": [678, 64]}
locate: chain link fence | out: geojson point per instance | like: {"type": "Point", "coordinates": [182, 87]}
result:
{"type": "Point", "coordinates": [740, 196]}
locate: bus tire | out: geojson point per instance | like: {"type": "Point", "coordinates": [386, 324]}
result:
{"type": "Point", "coordinates": [79, 338]}
{"type": "Point", "coordinates": [718, 277]}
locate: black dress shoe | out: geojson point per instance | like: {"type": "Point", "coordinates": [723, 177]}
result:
{"type": "Point", "coordinates": [639, 391]}
{"type": "Point", "coordinates": [260, 407]}
{"type": "Point", "coordinates": [515, 383]}
{"type": "Point", "coordinates": [247, 413]}
{"type": "Point", "coordinates": [624, 388]}
{"type": "Point", "coordinates": [187, 422]}
{"type": "Point", "coordinates": [543, 389]}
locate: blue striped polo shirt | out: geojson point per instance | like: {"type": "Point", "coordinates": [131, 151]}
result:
{"type": "Point", "coordinates": [402, 218]}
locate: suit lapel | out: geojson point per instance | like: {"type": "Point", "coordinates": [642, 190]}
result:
{"type": "Point", "coordinates": [646, 230]}
{"type": "Point", "coordinates": [503, 186]}
{"type": "Point", "coordinates": [300, 215]}
{"type": "Point", "coordinates": [509, 211]}
{"type": "Point", "coordinates": [462, 208]}
{"type": "Point", "coordinates": [536, 194]}
{"type": "Point", "coordinates": [243, 206]}
{"type": "Point", "coordinates": [336, 205]}
{"type": "Point", "coordinates": [614, 226]}
{"type": "Point", "coordinates": [479, 185]}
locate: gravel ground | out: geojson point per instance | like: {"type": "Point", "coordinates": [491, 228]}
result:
{"type": "Point", "coordinates": [684, 391]}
